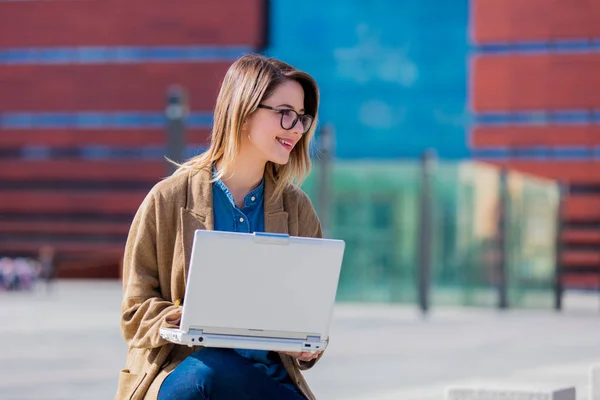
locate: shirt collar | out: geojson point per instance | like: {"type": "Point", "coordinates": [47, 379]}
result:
{"type": "Point", "coordinates": [251, 199]}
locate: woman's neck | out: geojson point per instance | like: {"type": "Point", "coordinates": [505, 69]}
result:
{"type": "Point", "coordinates": [241, 178]}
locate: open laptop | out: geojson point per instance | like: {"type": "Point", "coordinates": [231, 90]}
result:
{"type": "Point", "coordinates": [259, 291]}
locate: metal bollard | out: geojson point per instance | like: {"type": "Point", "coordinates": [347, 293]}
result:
{"type": "Point", "coordinates": [503, 241]}
{"type": "Point", "coordinates": [175, 112]}
{"type": "Point", "coordinates": [425, 231]}
{"type": "Point", "coordinates": [327, 149]}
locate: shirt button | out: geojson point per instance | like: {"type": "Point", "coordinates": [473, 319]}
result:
{"type": "Point", "coordinates": [252, 198]}
{"type": "Point", "coordinates": [241, 219]}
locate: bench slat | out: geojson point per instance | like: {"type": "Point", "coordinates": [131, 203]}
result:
{"type": "Point", "coordinates": [71, 202]}
{"type": "Point", "coordinates": [64, 170]}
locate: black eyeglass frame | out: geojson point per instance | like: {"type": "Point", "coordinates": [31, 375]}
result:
{"type": "Point", "coordinates": [281, 111]}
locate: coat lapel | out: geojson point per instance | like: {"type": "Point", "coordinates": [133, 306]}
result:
{"type": "Point", "coordinates": [276, 219]}
{"type": "Point", "coordinates": [197, 213]}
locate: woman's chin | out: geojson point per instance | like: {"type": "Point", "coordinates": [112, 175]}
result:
{"type": "Point", "coordinates": [280, 160]}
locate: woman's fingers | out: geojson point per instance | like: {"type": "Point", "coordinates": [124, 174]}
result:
{"type": "Point", "coordinates": [302, 356]}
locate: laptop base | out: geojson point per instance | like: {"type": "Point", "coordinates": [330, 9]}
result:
{"type": "Point", "coordinates": [199, 338]}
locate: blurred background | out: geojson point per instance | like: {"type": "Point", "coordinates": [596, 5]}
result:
{"type": "Point", "coordinates": [457, 150]}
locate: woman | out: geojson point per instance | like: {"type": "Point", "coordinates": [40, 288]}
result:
{"type": "Point", "coordinates": [264, 119]}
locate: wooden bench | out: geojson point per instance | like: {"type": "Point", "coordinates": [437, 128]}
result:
{"type": "Point", "coordinates": [56, 203]}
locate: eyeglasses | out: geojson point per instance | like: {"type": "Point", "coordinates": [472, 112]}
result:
{"type": "Point", "coordinates": [289, 118]}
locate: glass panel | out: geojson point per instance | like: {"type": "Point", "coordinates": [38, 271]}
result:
{"type": "Point", "coordinates": [375, 208]}
{"type": "Point", "coordinates": [532, 224]}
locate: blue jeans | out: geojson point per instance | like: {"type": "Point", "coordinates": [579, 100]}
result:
{"type": "Point", "coordinates": [215, 374]}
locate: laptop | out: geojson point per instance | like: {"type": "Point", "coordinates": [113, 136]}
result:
{"type": "Point", "coordinates": [260, 291]}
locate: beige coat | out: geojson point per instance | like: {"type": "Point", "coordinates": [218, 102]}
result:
{"type": "Point", "coordinates": [155, 268]}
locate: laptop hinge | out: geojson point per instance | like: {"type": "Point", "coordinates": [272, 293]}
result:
{"type": "Point", "coordinates": [271, 238]}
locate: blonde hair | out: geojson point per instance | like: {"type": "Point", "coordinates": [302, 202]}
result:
{"type": "Point", "coordinates": [250, 80]}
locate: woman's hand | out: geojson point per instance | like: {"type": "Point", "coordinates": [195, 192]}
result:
{"type": "Point", "coordinates": [174, 318]}
{"type": "Point", "coordinates": [302, 355]}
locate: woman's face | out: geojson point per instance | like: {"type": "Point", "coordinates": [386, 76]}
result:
{"type": "Point", "coordinates": [263, 133]}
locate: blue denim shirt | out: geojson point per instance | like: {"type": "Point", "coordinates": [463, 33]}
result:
{"type": "Point", "coordinates": [251, 218]}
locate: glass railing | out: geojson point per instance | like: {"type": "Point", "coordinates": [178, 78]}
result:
{"type": "Point", "coordinates": [376, 208]}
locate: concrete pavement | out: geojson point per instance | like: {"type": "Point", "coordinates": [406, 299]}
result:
{"type": "Point", "coordinates": [66, 345]}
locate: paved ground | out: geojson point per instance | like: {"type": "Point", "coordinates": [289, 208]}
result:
{"type": "Point", "coordinates": [66, 345]}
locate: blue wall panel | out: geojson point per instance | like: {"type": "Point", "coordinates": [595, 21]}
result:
{"type": "Point", "coordinates": [393, 74]}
